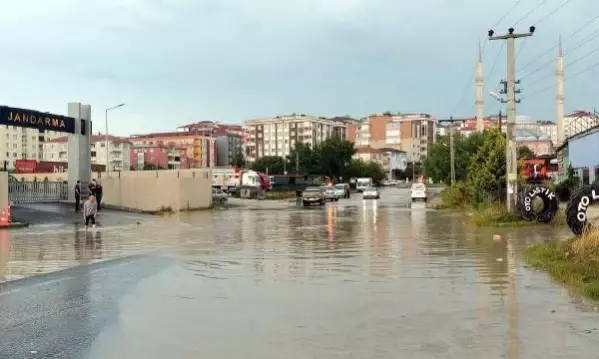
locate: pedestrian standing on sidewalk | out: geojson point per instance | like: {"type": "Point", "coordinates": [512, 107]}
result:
{"type": "Point", "coordinates": [90, 210]}
{"type": "Point", "coordinates": [78, 196]}
{"type": "Point", "coordinates": [298, 196]}
{"type": "Point", "coordinates": [99, 193]}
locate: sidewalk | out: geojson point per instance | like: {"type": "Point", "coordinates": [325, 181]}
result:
{"type": "Point", "coordinates": [54, 213]}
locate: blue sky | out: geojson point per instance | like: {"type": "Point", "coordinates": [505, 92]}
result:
{"type": "Point", "coordinates": [179, 61]}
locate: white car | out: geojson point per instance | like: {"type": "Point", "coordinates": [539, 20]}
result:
{"type": "Point", "coordinates": [371, 193]}
{"type": "Point", "coordinates": [418, 192]}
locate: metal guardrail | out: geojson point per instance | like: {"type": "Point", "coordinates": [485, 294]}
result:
{"type": "Point", "coordinates": [37, 192]}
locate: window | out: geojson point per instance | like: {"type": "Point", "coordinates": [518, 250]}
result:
{"type": "Point", "coordinates": [14, 154]}
{"type": "Point", "coordinates": [14, 145]}
{"type": "Point", "coordinates": [102, 145]}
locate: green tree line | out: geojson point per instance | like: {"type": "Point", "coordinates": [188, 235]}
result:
{"type": "Point", "coordinates": [480, 166]}
{"type": "Point", "coordinates": [332, 158]}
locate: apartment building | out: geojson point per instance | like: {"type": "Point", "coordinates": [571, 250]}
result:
{"type": "Point", "coordinates": [206, 156]}
{"type": "Point", "coordinates": [22, 143]}
{"type": "Point", "coordinates": [413, 133]}
{"type": "Point", "coordinates": [276, 136]}
{"type": "Point", "coordinates": [119, 151]}
{"type": "Point", "coordinates": [158, 156]}
{"type": "Point", "coordinates": [227, 146]}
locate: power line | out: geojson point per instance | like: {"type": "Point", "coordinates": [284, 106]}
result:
{"type": "Point", "coordinates": [496, 59]}
{"type": "Point", "coordinates": [583, 27]}
{"type": "Point", "coordinates": [465, 91]}
{"type": "Point", "coordinates": [574, 48]}
{"type": "Point", "coordinates": [530, 12]}
{"type": "Point", "coordinates": [583, 57]}
{"type": "Point", "coordinates": [553, 12]}
{"type": "Point", "coordinates": [569, 78]}
{"type": "Point", "coordinates": [506, 14]}
{"type": "Point", "coordinates": [521, 47]}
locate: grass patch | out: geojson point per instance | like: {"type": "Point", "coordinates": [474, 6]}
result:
{"type": "Point", "coordinates": [278, 195]}
{"type": "Point", "coordinates": [495, 215]}
{"type": "Point", "coordinates": [574, 263]}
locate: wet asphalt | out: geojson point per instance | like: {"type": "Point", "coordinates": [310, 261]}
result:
{"type": "Point", "coordinates": [353, 279]}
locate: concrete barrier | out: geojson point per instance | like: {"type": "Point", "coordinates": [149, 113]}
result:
{"type": "Point", "coordinates": [155, 191]}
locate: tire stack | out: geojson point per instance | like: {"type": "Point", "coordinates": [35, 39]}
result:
{"type": "Point", "coordinates": [576, 212]}
{"type": "Point", "coordinates": [525, 204]}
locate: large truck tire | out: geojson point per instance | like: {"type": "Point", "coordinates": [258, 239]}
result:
{"type": "Point", "coordinates": [525, 204]}
{"type": "Point", "coordinates": [576, 211]}
{"type": "Point", "coordinates": [520, 203]}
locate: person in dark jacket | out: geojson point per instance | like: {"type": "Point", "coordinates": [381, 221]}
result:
{"type": "Point", "coordinates": [92, 187]}
{"type": "Point", "coordinates": [78, 196]}
{"type": "Point", "coordinates": [99, 193]}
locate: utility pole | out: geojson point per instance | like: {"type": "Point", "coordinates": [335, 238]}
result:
{"type": "Point", "coordinates": [452, 155]}
{"type": "Point", "coordinates": [451, 120]}
{"type": "Point", "coordinates": [511, 146]}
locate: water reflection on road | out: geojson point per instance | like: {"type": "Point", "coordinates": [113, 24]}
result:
{"type": "Point", "coordinates": [355, 279]}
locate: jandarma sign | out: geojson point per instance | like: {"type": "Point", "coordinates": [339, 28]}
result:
{"type": "Point", "coordinates": [43, 121]}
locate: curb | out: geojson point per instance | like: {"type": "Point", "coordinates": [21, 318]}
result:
{"type": "Point", "coordinates": [15, 225]}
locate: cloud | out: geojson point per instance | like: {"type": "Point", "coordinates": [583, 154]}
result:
{"type": "Point", "coordinates": [184, 60]}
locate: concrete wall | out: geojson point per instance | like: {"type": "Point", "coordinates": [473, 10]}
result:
{"type": "Point", "coordinates": [151, 191]}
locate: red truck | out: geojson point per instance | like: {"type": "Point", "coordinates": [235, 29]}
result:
{"type": "Point", "coordinates": [33, 166]}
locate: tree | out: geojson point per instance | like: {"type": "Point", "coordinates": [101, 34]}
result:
{"type": "Point", "coordinates": [437, 163]}
{"type": "Point", "coordinates": [238, 159]}
{"type": "Point", "coordinates": [270, 164]}
{"type": "Point", "coordinates": [486, 171]}
{"type": "Point", "coordinates": [414, 170]}
{"type": "Point", "coordinates": [332, 156]}
{"type": "Point", "coordinates": [302, 157]}
{"type": "Point", "coordinates": [359, 168]}
{"type": "Point", "coordinates": [525, 153]}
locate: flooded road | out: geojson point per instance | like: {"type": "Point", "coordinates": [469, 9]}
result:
{"type": "Point", "coordinates": [353, 279]}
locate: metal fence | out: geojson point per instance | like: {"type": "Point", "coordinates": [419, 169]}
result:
{"type": "Point", "coordinates": [37, 192]}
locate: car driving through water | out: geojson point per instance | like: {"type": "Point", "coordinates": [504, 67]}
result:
{"type": "Point", "coordinates": [418, 192]}
{"type": "Point", "coordinates": [371, 193]}
{"type": "Point", "coordinates": [313, 195]}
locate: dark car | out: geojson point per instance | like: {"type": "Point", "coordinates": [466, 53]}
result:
{"type": "Point", "coordinates": [313, 195]}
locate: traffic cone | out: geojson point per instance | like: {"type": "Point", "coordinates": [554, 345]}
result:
{"type": "Point", "coordinates": [4, 218]}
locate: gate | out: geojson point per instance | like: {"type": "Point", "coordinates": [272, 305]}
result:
{"type": "Point", "coordinates": [37, 192]}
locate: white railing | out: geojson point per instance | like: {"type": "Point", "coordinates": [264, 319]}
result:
{"type": "Point", "coordinates": [36, 191]}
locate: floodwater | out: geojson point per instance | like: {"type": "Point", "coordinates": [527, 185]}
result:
{"type": "Point", "coordinates": [353, 279]}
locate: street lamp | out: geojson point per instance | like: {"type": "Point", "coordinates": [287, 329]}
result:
{"type": "Point", "coordinates": [106, 135]}
{"type": "Point", "coordinates": [499, 99]}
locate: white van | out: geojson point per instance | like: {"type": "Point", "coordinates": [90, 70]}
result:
{"type": "Point", "coordinates": [363, 183]}
{"type": "Point", "coordinates": [418, 192]}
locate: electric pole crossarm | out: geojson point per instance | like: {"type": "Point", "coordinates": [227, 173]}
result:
{"type": "Point", "coordinates": [510, 36]}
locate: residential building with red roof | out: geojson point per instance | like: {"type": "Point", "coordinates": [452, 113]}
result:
{"type": "Point", "coordinates": [119, 151]}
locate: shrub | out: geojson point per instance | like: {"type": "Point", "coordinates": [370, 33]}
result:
{"type": "Point", "coordinates": [586, 248]}
{"type": "Point", "coordinates": [455, 196]}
